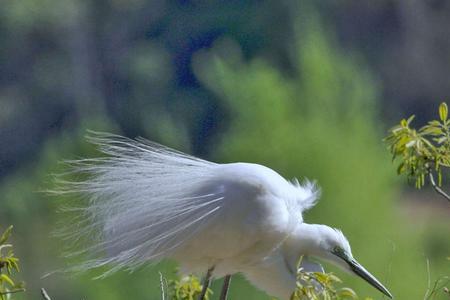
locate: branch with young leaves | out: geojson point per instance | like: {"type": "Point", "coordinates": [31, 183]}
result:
{"type": "Point", "coordinates": [8, 265]}
{"type": "Point", "coordinates": [318, 286]}
{"type": "Point", "coordinates": [186, 288]}
{"type": "Point", "coordinates": [310, 285]}
{"type": "Point", "coordinates": [422, 153]}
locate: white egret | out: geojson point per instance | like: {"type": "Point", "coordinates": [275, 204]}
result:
{"type": "Point", "coordinates": [147, 202]}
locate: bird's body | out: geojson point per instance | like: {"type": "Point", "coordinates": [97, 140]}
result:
{"type": "Point", "coordinates": [147, 202]}
{"type": "Point", "coordinates": [269, 208]}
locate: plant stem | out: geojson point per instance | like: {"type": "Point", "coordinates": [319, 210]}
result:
{"type": "Point", "coordinates": [206, 283]}
{"type": "Point", "coordinates": [44, 294]}
{"type": "Point", "coordinates": [12, 292]}
{"type": "Point", "coordinates": [225, 287]}
{"type": "Point", "coordinates": [437, 188]}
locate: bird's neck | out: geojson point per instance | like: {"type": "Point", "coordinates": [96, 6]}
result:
{"type": "Point", "coordinates": [277, 274]}
{"type": "Point", "coordinates": [304, 241]}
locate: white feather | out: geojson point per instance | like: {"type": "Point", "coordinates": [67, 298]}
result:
{"type": "Point", "coordinates": [146, 202]}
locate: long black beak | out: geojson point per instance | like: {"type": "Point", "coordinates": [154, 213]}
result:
{"type": "Point", "coordinates": [364, 274]}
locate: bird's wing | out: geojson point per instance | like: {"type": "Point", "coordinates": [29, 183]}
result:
{"type": "Point", "coordinates": [143, 201]}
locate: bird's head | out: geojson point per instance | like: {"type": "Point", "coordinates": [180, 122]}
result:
{"type": "Point", "coordinates": [330, 244]}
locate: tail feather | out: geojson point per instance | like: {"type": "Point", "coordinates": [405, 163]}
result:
{"type": "Point", "coordinates": [143, 200]}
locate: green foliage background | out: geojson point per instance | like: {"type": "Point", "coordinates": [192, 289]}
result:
{"type": "Point", "coordinates": [320, 120]}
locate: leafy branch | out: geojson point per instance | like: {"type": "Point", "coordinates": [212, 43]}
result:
{"type": "Point", "coordinates": [8, 264]}
{"type": "Point", "coordinates": [422, 153]}
{"type": "Point", "coordinates": [187, 288]}
{"type": "Point", "coordinates": [310, 285]}
{"type": "Point", "coordinates": [320, 286]}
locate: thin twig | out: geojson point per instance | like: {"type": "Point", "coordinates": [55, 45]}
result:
{"type": "Point", "coordinates": [437, 188]}
{"type": "Point", "coordinates": [45, 295]}
{"type": "Point", "coordinates": [12, 292]}
{"type": "Point", "coordinates": [206, 283]}
{"type": "Point", "coordinates": [225, 287]}
{"type": "Point", "coordinates": [163, 286]}
{"type": "Point", "coordinates": [428, 280]}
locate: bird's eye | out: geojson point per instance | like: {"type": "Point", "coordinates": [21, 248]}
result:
{"type": "Point", "coordinates": [338, 251]}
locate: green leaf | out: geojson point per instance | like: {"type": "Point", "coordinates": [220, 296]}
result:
{"type": "Point", "coordinates": [321, 277]}
{"type": "Point", "coordinates": [441, 140]}
{"type": "Point", "coordinates": [7, 279]}
{"type": "Point", "coordinates": [430, 130]}
{"type": "Point", "coordinates": [348, 293]}
{"type": "Point", "coordinates": [434, 123]}
{"type": "Point", "coordinates": [410, 119]}
{"type": "Point", "coordinates": [5, 235]}
{"type": "Point", "coordinates": [410, 143]}
{"type": "Point", "coordinates": [401, 168]}
{"type": "Point", "coordinates": [443, 111]}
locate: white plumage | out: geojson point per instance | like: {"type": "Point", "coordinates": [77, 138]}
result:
{"type": "Point", "coordinates": [146, 202]}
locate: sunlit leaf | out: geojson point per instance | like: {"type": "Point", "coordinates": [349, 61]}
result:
{"type": "Point", "coordinates": [443, 111]}
{"type": "Point", "coordinates": [348, 293]}
{"type": "Point", "coordinates": [5, 236]}
{"type": "Point", "coordinates": [7, 279]}
{"type": "Point", "coordinates": [410, 119]}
